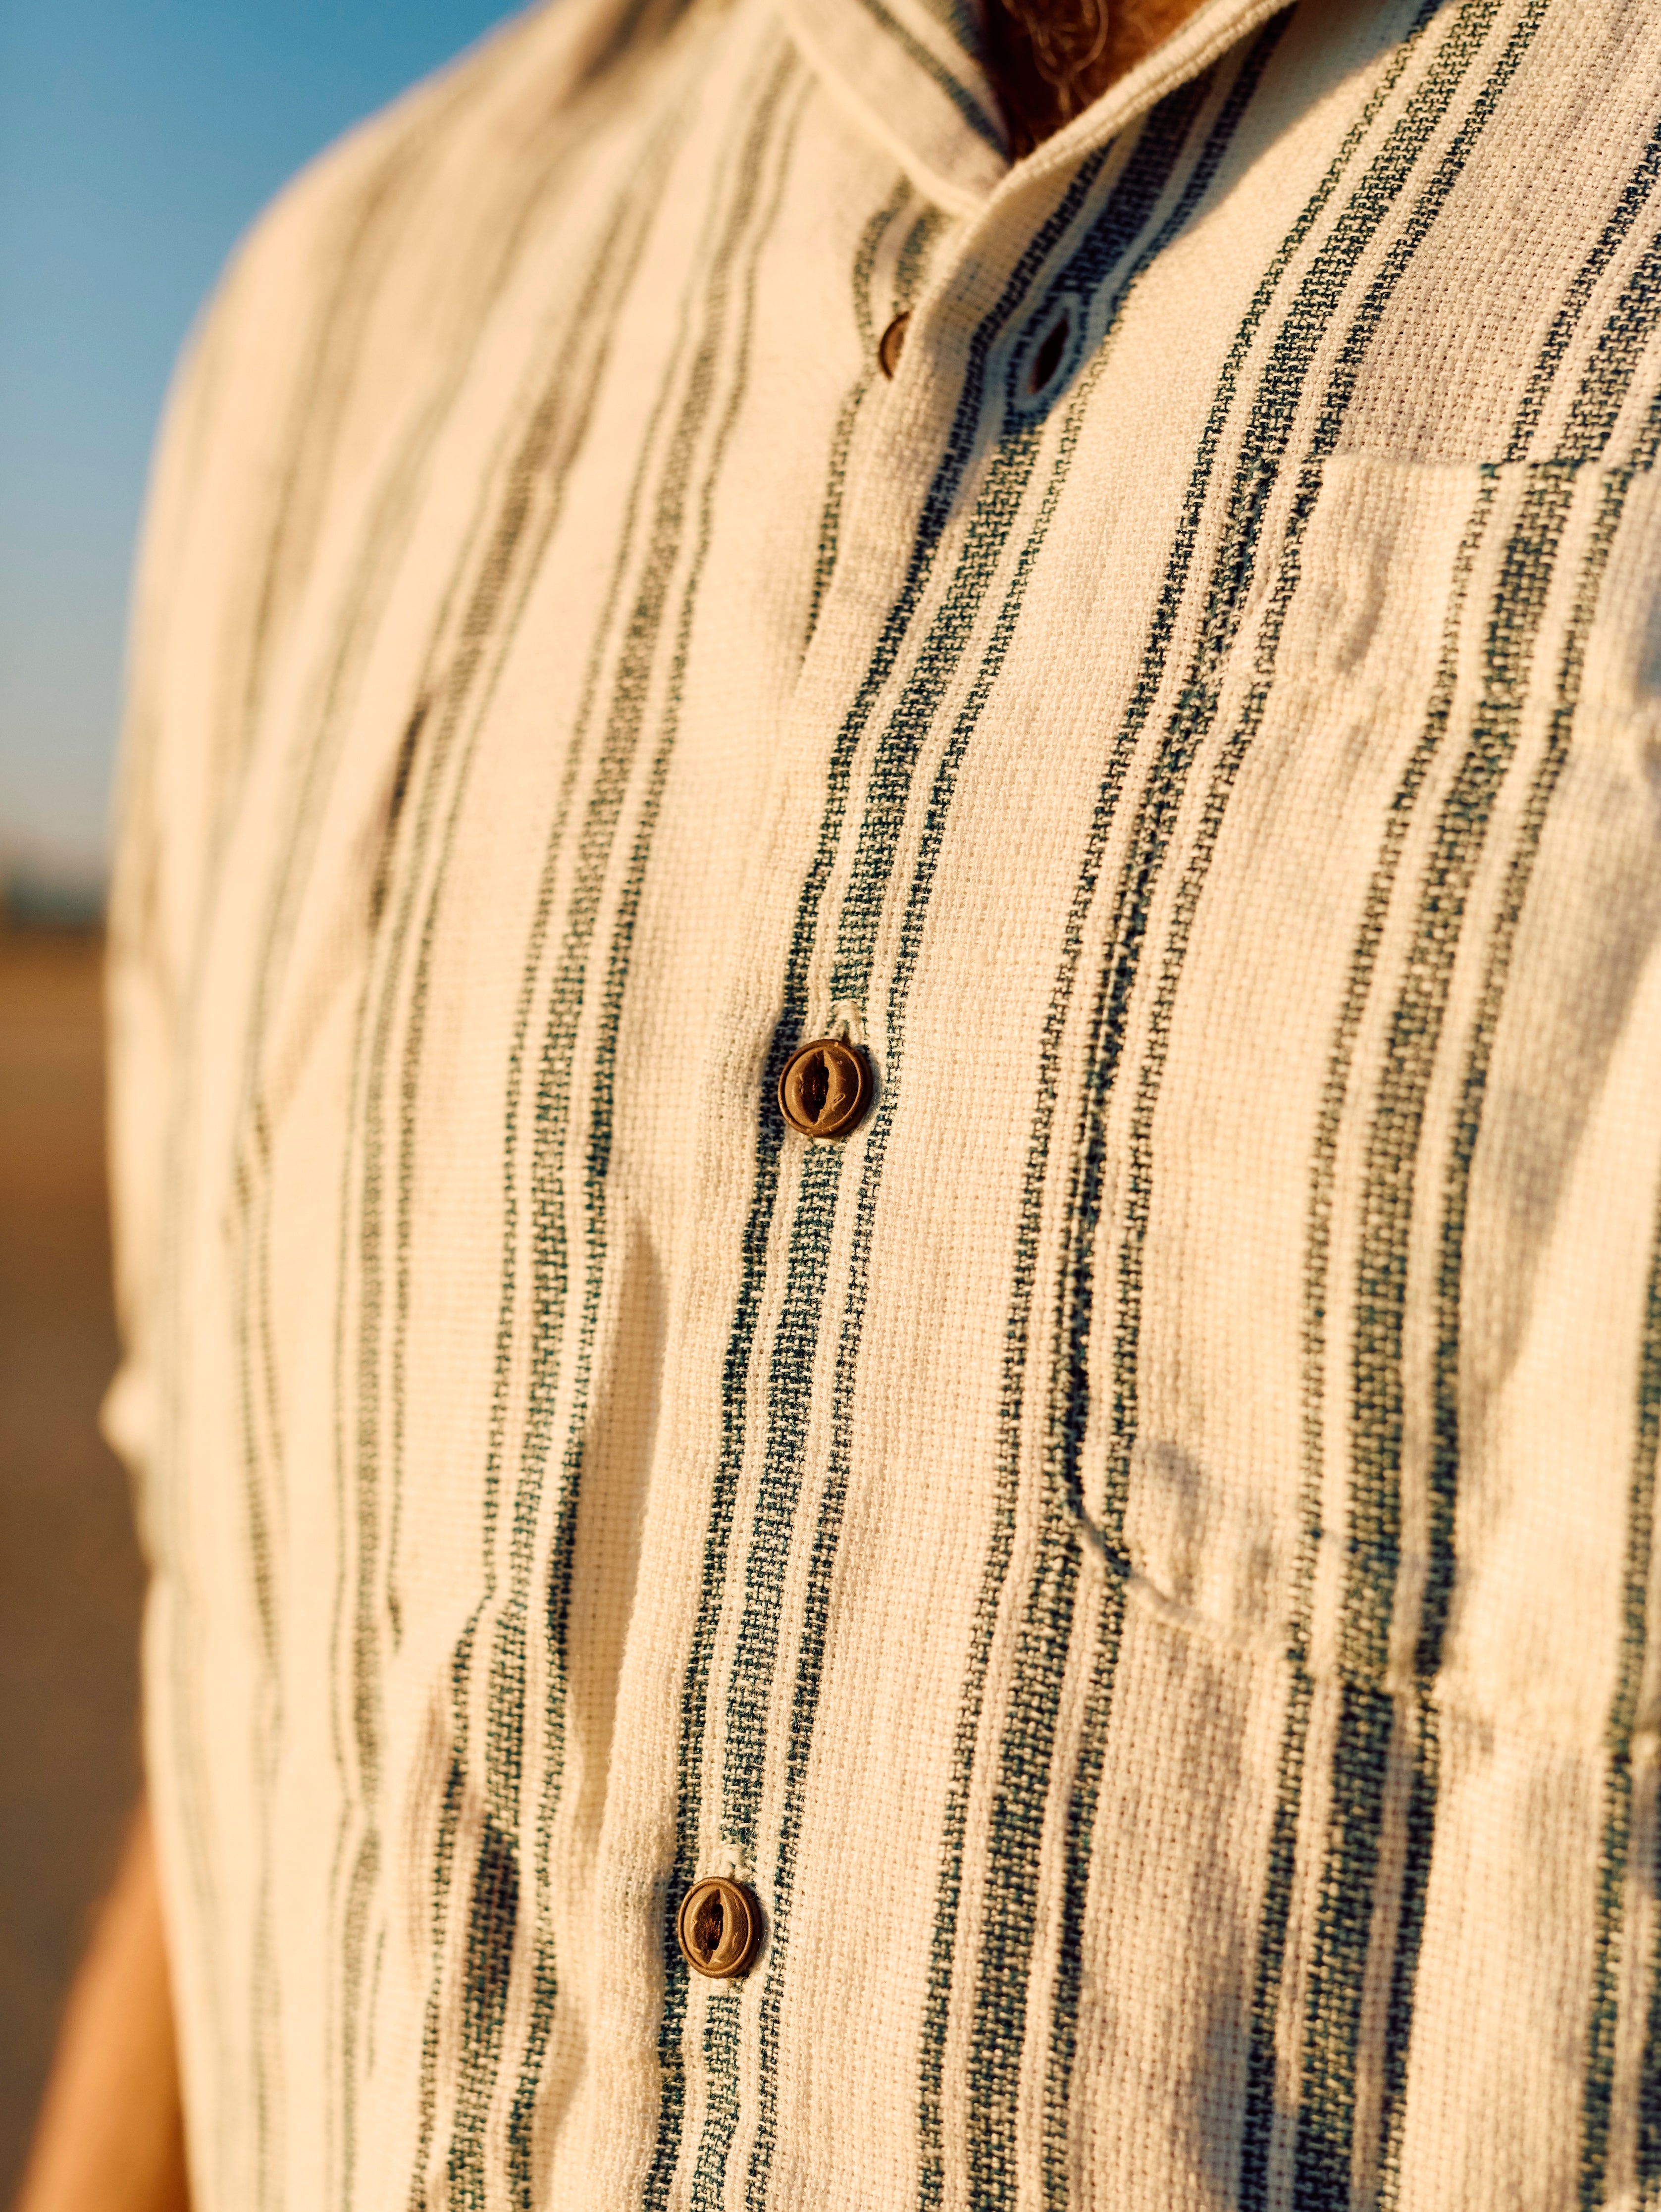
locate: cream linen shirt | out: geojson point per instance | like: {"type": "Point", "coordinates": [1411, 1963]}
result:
{"type": "Point", "coordinates": [1141, 1556]}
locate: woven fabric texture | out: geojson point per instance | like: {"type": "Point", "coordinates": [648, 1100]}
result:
{"type": "Point", "coordinates": [1141, 1556]}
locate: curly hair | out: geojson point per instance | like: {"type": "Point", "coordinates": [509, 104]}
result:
{"type": "Point", "coordinates": [1050, 59]}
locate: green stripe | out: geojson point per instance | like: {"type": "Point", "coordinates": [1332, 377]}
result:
{"type": "Point", "coordinates": [1278, 1886]}
{"type": "Point", "coordinates": [1633, 198]}
{"type": "Point", "coordinates": [1326, 2109]}
{"type": "Point", "coordinates": [1129, 207]}
{"type": "Point", "coordinates": [373, 226]}
{"type": "Point", "coordinates": [1613, 364]}
{"type": "Point", "coordinates": [508, 571]}
{"type": "Point", "coordinates": [757, 204]}
{"type": "Point", "coordinates": [358, 1855]}
{"type": "Point", "coordinates": [530, 506]}
{"type": "Point", "coordinates": [314, 412]}
{"type": "Point", "coordinates": [1419, 1724]}
{"type": "Point", "coordinates": [1028, 1742]}
{"type": "Point", "coordinates": [1000, 1996]}
{"type": "Point", "coordinates": [1526, 570]}
{"type": "Point", "coordinates": [1139, 189]}
{"type": "Point", "coordinates": [490, 1934]}
{"type": "Point", "coordinates": [961, 446]}
{"type": "Point", "coordinates": [915, 255]}
{"type": "Point", "coordinates": [795, 1345]}
{"type": "Point", "coordinates": [1423, 1724]}
{"type": "Point", "coordinates": [1090, 1749]}
{"type": "Point", "coordinates": [829, 532]}
{"type": "Point", "coordinates": [1017, 1330]}
{"type": "Point", "coordinates": [384, 538]}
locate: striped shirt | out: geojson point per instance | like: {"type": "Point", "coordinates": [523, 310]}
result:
{"type": "Point", "coordinates": [1142, 1557]}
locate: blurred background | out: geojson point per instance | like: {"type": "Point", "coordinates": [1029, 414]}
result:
{"type": "Point", "coordinates": [136, 143]}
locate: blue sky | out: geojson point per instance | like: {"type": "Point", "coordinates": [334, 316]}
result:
{"type": "Point", "coordinates": [136, 141]}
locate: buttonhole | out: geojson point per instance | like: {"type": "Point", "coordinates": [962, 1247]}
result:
{"type": "Point", "coordinates": [708, 1925]}
{"type": "Point", "coordinates": [1047, 358]}
{"type": "Point", "coordinates": [815, 1086]}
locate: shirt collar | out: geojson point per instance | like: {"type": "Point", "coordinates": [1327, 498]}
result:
{"type": "Point", "coordinates": [910, 71]}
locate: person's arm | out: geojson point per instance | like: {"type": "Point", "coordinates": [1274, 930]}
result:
{"type": "Point", "coordinates": [110, 2137]}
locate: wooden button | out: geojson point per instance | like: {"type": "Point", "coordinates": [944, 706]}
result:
{"type": "Point", "coordinates": [892, 344]}
{"type": "Point", "coordinates": [825, 1088]}
{"type": "Point", "coordinates": [719, 1927]}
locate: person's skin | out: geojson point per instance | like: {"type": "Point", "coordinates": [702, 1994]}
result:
{"type": "Point", "coordinates": [110, 2137]}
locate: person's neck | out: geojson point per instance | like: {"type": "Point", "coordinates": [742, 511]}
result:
{"type": "Point", "coordinates": [1050, 59]}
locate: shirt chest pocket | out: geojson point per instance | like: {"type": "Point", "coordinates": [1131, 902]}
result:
{"type": "Point", "coordinates": [1368, 1351]}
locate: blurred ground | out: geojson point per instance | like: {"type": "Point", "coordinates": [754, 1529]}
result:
{"type": "Point", "coordinates": [69, 1580]}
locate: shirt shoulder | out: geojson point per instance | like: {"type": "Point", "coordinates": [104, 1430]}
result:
{"type": "Point", "coordinates": [332, 333]}
{"type": "Point", "coordinates": [358, 245]}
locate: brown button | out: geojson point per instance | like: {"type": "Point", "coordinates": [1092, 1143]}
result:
{"type": "Point", "coordinates": [719, 1927]}
{"type": "Point", "coordinates": [892, 344]}
{"type": "Point", "coordinates": [825, 1088]}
